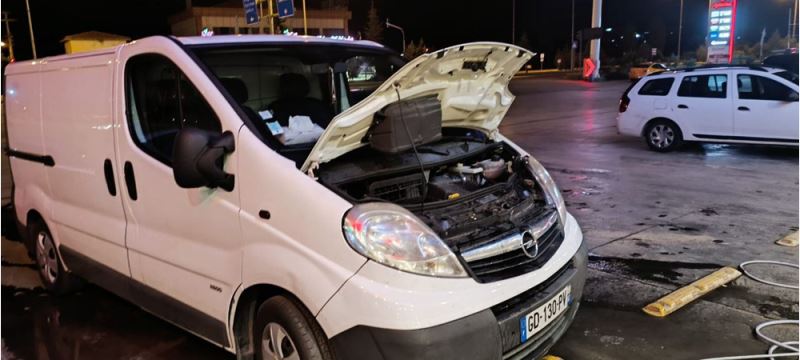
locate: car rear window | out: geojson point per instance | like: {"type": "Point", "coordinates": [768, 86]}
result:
{"type": "Point", "coordinates": [788, 75]}
{"type": "Point", "coordinates": [657, 87]}
{"type": "Point", "coordinates": [704, 86]}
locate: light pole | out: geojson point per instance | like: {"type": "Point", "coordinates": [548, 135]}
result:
{"type": "Point", "coordinates": [594, 45]}
{"type": "Point", "coordinates": [30, 26]}
{"type": "Point", "coordinates": [680, 31]}
{"type": "Point", "coordinates": [10, 38]}
{"type": "Point", "coordinates": [572, 40]}
{"type": "Point", "coordinates": [514, 22]}
{"type": "Point", "coordinates": [402, 32]}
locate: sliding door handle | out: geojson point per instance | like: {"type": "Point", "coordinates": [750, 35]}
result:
{"type": "Point", "coordinates": [130, 181]}
{"type": "Point", "coordinates": [681, 106]}
{"type": "Point", "coordinates": [108, 170]}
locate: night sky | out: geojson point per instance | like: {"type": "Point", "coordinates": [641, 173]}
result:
{"type": "Point", "coordinates": [441, 23]}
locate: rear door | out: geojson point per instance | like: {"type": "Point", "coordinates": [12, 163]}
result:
{"type": "Point", "coordinates": [184, 244]}
{"type": "Point", "coordinates": [703, 104]}
{"type": "Point", "coordinates": [765, 109]}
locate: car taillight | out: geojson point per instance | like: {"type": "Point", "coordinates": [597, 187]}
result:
{"type": "Point", "coordinates": [623, 103]}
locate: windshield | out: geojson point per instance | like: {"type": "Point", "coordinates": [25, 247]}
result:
{"type": "Point", "coordinates": [291, 92]}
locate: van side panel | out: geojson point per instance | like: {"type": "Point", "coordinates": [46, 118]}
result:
{"type": "Point", "coordinates": [24, 124]}
{"type": "Point", "coordinates": [78, 132]}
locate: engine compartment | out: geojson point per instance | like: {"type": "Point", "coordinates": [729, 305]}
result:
{"type": "Point", "coordinates": [467, 188]}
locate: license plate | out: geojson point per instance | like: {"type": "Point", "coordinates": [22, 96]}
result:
{"type": "Point", "coordinates": [538, 319]}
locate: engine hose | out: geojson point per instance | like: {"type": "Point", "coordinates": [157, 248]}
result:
{"type": "Point", "coordinates": [786, 345]}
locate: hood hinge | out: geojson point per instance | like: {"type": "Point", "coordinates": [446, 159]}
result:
{"type": "Point", "coordinates": [311, 167]}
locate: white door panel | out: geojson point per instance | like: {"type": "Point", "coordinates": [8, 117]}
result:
{"type": "Point", "coordinates": [185, 243]}
{"type": "Point", "coordinates": [702, 106]}
{"type": "Point", "coordinates": [762, 112]}
{"type": "Point", "coordinates": [78, 133]}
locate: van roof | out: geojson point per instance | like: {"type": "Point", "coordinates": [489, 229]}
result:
{"type": "Point", "coordinates": [26, 66]}
{"type": "Point", "coordinates": [297, 39]}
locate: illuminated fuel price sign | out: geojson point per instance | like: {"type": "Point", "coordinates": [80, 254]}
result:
{"type": "Point", "coordinates": [721, 25]}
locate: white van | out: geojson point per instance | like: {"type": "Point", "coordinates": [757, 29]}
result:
{"type": "Point", "coordinates": [297, 197]}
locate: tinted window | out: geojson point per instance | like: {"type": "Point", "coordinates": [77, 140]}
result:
{"type": "Point", "coordinates": [753, 87]}
{"type": "Point", "coordinates": [788, 75]}
{"type": "Point", "coordinates": [705, 86]}
{"type": "Point", "coordinates": [161, 101]}
{"type": "Point", "coordinates": [657, 87]}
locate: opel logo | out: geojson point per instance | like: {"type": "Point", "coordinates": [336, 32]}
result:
{"type": "Point", "coordinates": [530, 246]}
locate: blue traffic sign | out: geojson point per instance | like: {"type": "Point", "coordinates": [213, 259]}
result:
{"type": "Point", "coordinates": [250, 11]}
{"type": "Point", "coordinates": [285, 8]}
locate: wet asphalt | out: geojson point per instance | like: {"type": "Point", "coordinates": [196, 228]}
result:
{"type": "Point", "coordinates": [653, 222]}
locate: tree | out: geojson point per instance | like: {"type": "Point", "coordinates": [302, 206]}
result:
{"type": "Point", "coordinates": [702, 53]}
{"type": "Point", "coordinates": [658, 35]}
{"type": "Point", "coordinates": [523, 41]}
{"type": "Point", "coordinates": [413, 50]}
{"type": "Point", "coordinates": [334, 4]}
{"type": "Point", "coordinates": [374, 28]}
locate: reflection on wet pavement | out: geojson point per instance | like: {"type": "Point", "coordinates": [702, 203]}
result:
{"type": "Point", "coordinates": [91, 324]}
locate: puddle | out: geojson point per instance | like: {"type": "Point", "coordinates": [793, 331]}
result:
{"type": "Point", "coordinates": [653, 270]}
{"type": "Point", "coordinates": [91, 324]}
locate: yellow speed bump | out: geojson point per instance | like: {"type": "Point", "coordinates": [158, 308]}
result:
{"type": "Point", "coordinates": [551, 357]}
{"type": "Point", "coordinates": [788, 240]}
{"type": "Point", "coordinates": [678, 298]}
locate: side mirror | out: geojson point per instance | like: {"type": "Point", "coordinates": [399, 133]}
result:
{"type": "Point", "coordinates": [198, 159]}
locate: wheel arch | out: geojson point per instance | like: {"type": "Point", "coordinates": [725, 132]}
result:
{"type": "Point", "coordinates": [32, 216]}
{"type": "Point", "coordinates": [243, 310]}
{"type": "Point", "coordinates": [660, 118]}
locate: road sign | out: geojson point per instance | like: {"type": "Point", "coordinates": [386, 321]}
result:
{"type": "Point", "coordinates": [588, 68]}
{"type": "Point", "coordinates": [653, 51]}
{"type": "Point", "coordinates": [250, 11]}
{"type": "Point", "coordinates": [285, 8]}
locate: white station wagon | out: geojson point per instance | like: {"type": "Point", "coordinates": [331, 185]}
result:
{"type": "Point", "coordinates": [291, 197]}
{"type": "Point", "coordinates": [732, 104]}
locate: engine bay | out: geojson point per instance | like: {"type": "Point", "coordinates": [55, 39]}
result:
{"type": "Point", "coordinates": [467, 188]}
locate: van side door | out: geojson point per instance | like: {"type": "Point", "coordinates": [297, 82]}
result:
{"type": "Point", "coordinates": [86, 218]}
{"type": "Point", "coordinates": [765, 109]}
{"type": "Point", "coordinates": [185, 245]}
{"type": "Point", "coordinates": [703, 105]}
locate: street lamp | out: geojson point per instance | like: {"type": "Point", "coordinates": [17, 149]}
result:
{"type": "Point", "coordinates": [680, 31]}
{"type": "Point", "coordinates": [514, 22]}
{"type": "Point", "coordinates": [402, 32]}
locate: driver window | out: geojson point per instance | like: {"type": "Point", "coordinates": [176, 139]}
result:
{"type": "Point", "coordinates": [753, 87]}
{"type": "Point", "coordinates": [161, 101]}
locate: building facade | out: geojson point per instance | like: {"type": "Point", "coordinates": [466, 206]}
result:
{"type": "Point", "coordinates": [228, 18]}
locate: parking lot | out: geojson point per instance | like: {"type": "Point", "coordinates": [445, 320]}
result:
{"type": "Point", "coordinates": [653, 222]}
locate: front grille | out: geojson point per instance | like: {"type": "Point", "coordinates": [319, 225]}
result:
{"type": "Point", "coordinates": [516, 262]}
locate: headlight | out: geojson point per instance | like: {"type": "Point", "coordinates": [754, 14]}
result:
{"type": "Point", "coordinates": [552, 192]}
{"type": "Point", "coordinates": [391, 235]}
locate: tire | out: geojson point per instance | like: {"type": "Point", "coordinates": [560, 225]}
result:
{"type": "Point", "coordinates": [300, 336]}
{"type": "Point", "coordinates": [663, 136]}
{"type": "Point", "coordinates": [48, 262]}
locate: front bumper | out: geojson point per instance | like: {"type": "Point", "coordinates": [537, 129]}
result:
{"type": "Point", "coordinates": [493, 333]}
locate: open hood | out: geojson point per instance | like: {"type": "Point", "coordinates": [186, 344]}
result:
{"type": "Point", "coordinates": [470, 81]}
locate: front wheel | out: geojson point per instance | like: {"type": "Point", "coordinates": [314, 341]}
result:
{"type": "Point", "coordinates": [285, 330]}
{"type": "Point", "coordinates": [663, 136]}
